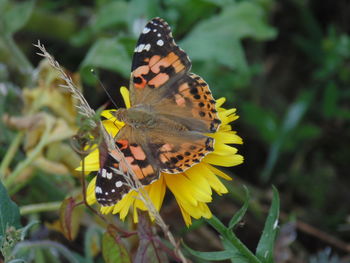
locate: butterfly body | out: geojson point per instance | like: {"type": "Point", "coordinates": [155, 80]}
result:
{"type": "Point", "coordinates": [167, 126]}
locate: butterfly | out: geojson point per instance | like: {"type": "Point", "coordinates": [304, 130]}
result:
{"type": "Point", "coordinates": [171, 111]}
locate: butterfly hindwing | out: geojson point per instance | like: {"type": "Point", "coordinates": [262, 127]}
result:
{"type": "Point", "coordinates": [191, 103]}
{"type": "Point", "coordinates": [111, 185]}
{"type": "Point", "coordinates": [111, 182]}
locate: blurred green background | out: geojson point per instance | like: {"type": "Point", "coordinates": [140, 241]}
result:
{"type": "Point", "coordinates": [283, 64]}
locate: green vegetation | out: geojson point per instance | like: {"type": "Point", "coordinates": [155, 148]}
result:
{"type": "Point", "coordinates": [283, 64]}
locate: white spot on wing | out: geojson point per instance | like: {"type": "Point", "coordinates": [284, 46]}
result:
{"type": "Point", "coordinates": [160, 42]}
{"type": "Point", "coordinates": [146, 30]}
{"type": "Point", "coordinates": [147, 47]}
{"type": "Point", "coordinates": [143, 47]}
{"type": "Point", "coordinates": [158, 35]}
{"type": "Point", "coordinates": [98, 190]}
{"type": "Point", "coordinates": [104, 173]}
{"type": "Point", "coordinates": [118, 184]}
{"type": "Point", "coordinates": [154, 30]}
{"type": "Point", "coordinates": [109, 176]}
{"type": "Point", "coordinates": [140, 47]}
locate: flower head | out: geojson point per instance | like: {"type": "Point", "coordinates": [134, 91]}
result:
{"type": "Point", "coordinates": [193, 188]}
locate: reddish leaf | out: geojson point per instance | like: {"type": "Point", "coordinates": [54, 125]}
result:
{"type": "Point", "coordinates": [113, 250]}
{"type": "Point", "coordinates": [70, 216]}
{"type": "Point", "coordinates": [150, 249]}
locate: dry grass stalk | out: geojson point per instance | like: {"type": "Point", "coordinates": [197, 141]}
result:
{"type": "Point", "coordinates": [85, 110]}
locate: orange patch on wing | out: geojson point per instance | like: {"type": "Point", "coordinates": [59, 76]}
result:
{"type": "Point", "coordinates": [180, 101]}
{"type": "Point", "coordinates": [124, 144]}
{"type": "Point", "coordinates": [142, 172]}
{"type": "Point", "coordinates": [154, 60]}
{"type": "Point", "coordinates": [141, 70]}
{"type": "Point", "coordinates": [159, 80]}
{"type": "Point", "coordinates": [165, 62]}
{"type": "Point", "coordinates": [183, 87]}
{"type": "Point", "coordinates": [166, 147]}
{"type": "Point", "coordinates": [138, 153]}
{"type": "Point", "coordinates": [178, 66]}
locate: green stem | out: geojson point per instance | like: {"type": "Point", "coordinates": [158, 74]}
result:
{"type": "Point", "coordinates": [241, 247]}
{"type": "Point", "coordinates": [11, 179]}
{"type": "Point", "coordinates": [37, 208]}
{"type": "Point", "coordinates": [10, 154]}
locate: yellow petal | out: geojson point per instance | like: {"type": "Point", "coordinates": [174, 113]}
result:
{"type": "Point", "coordinates": [224, 149]}
{"type": "Point", "coordinates": [227, 137]}
{"type": "Point", "coordinates": [109, 115]}
{"type": "Point", "coordinates": [157, 192]}
{"type": "Point", "coordinates": [219, 102]}
{"type": "Point", "coordinates": [112, 127]}
{"type": "Point", "coordinates": [181, 188]}
{"type": "Point", "coordinates": [224, 160]}
{"type": "Point", "coordinates": [106, 210]}
{"type": "Point", "coordinates": [90, 192]}
{"type": "Point", "coordinates": [186, 216]}
{"type": "Point", "coordinates": [195, 174]}
{"type": "Point", "coordinates": [91, 162]}
{"type": "Point", "coordinates": [218, 172]}
{"type": "Point", "coordinates": [126, 96]}
{"type": "Point", "coordinates": [205, 211]}
{"type": "Point", "coordinates": [123, 206]}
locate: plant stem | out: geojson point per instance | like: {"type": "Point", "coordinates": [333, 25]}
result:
{"type": "Point", "coordinates": [42, 207]}
{"type": "Point", "coordinates": [241, 247]}
{"type": "Point", "coordinates": [10, 154]}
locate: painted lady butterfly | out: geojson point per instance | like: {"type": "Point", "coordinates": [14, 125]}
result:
{"type": "Point", "coordinates": [171, 110]}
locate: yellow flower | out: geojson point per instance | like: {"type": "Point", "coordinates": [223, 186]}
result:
{"type": "Point", "coordinates": [192, 188]}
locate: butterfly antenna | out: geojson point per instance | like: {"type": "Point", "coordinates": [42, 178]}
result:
{"type": "Point", "coordinates": [93, 72]}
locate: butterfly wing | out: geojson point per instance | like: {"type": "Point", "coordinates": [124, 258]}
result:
{"type": "Point", "coordinates": [147, 153]}
{"type": "Point", "coordinates": [157, 63]}
{"type": "Point", "coordinates": [160, 77]}
{"type": "Point", "coordinates": [113, 178]}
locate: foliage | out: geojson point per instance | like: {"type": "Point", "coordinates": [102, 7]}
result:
{"type": "Point", "coordinates": [284, 65]}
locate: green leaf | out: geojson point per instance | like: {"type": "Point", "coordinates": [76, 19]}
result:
{"type": "Point", "coordinates": [218, 38]}
{"type": "Point", "coordinates": [9, 212]}
{"type": "Point", "coordinates": [241, 212]}
{"type": "Point", "coordinates": [262, 120]}
{"type": "Point", "coordinates": [237, 257]}
{"type": "Point", "coordinates": [212, 256]}
{"type": "Point", "coordinates": [241, 251]}
{"type": "Point", "coordinates": [92, 243]}
{"type": "Point", "coordinates": [108, 54]}
{"type": "Point", "coordinates": [264, 250]}
{"type": "Point", "coordinates": [142, 11]}
{"type": "Point", "coordinates": [110, 14]}
{"type": "Point", "coordinates": [17, 15]}
{"type": "Point", "coordinates": [113, 251]}
{"type": "Point", "coordinates": [291, 121]}
{"type": "Point", "coordinates": [330, 100]}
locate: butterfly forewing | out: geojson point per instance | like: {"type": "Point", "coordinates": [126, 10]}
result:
{"type": "Point", "coordinates": [157, 62]}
